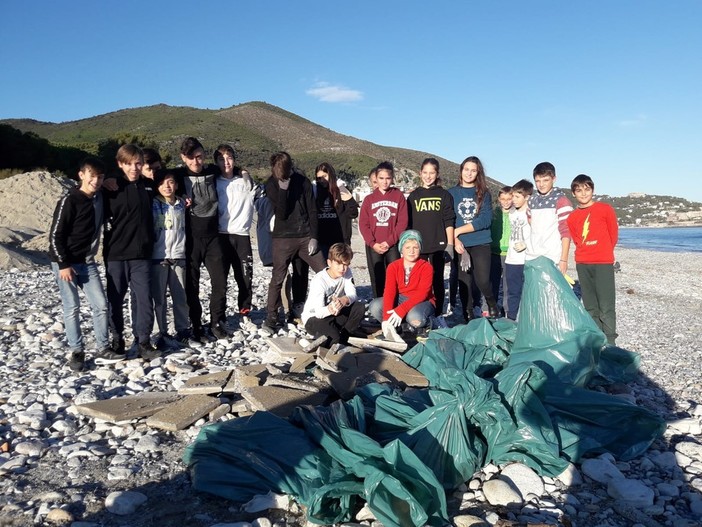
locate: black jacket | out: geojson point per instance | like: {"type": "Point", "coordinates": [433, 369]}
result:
{"type": "Point", "coordinates": [129, 231]}
{"type": "Point", "coordinates": [74, 229]}
{"type": "Point", "coordinates": [295, 209]}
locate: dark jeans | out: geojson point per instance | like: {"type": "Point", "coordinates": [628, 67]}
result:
{"type": "Point", "coordinates": [438, 262]}
{"type": "Point", "coordinates": [337, 328]}
{"type": "Point", "coordinates": [284, 250]}
{"type": "Point", "coordinates": [480, 273]}
{"type": "Point", "coordinates": [597, 286]}
{"type": "Point", "coordinates": [207, 250]}
{"type": "Point", "coordinates": [377, 263]}
{"type": "Point", "coordinates": [515, 284]}
{"type": "Point", "coordinates": [499, 281]}
{"type": "Point", "coordinates": [239, 257]}
{"type": "Point", "coordinates": [123, 275]}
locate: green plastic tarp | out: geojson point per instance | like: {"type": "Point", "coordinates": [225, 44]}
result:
{"type": "Point", "coordinates": [498, 392]}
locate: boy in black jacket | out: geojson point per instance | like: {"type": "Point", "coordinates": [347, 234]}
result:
{"type": "Point", "coordinates": [73, 243]}
{"type": "Point", "coordinates": [294, 230]}
{"type": "Point", "coordinates": [128, 245]}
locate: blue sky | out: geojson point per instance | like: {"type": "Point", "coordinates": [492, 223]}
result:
{"type": "Point", "coordinates": [610, 88]}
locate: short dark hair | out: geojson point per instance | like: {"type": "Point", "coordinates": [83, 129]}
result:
{"type": "Point", "coordinates": [340, 252]}
{"type": "Point", "coordinates": [582, 180]}
{"type": "Point", "coordinates": [524, 187]}
{"type": "Point", "coordinates": [94, 164]}
{"type": "Point", "coordinates": [151, 156]}
{"type": "Point", "coordinates": [545, 169]}
{"type": "Point", "coordinates": [162, 174]}
{"type": "Point", "coordinates": [224, 149]}
{"type": "Point", "coordinates": [189, 145]}
{"type": "Point", "coordinates": [281, 165]}
{"type": "Point", "coordinates": [504, 190]}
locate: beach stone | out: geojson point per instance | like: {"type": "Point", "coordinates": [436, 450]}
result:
{"type": "Point", "coordinates": [500, 492]}
{"type": "Point", "coordinates": [468, 520]}
{"type": "Point", "coordinates": [147, 444]}
{"type": "Point", "coordinates": [631, 491]}
{"type": "Point", "coordinates": [124, 502]}
{"type": "Point", "coordinates": [690, 449]}
{"type": "Point", "coordinates": [601, 470]}
{"type": "Point", "coordinates": [689, 425]}
{"type": "Point", "coordinates": [261, 522]}
{"type": "Point", "coordinates": [527, 482]}
{"type": "Point", "coordinates": [31, 448]}
{"type": "Point", "coordinates": [665, 460]}
{"type": "Point", "coordinates": [668, 489]}
{"type": "Point", "coordinates": [59, 517]}
{"type": "Point", "coordinates": [570, 476]}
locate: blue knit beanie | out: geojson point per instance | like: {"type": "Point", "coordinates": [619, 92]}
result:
{"type": "Point", "coordinates": [408, 235]}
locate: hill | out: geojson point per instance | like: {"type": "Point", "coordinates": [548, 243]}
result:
{"type": "Point", "coordinates": [255, 129]}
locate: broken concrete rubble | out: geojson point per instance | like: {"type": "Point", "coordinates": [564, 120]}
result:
{"type": "Point", "coordinates": [278, 389]}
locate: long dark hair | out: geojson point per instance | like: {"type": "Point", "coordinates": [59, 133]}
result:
{"type": "Point", "coordinates": [333, 185]}
{"type": "Point", "coordinates": [481, 187]}
{"type": "Point", "coordinates": [281, 165]}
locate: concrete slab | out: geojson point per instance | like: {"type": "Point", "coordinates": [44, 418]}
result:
{"type": "Point", "coordinates": [220, 411]}
{"type": "Point", "coordinates": [285, 346]}
{"type": "Point", "coordinates": [183, 413]}
{"type": "Point", "coordinates": [208, 384]}
{"type": "Point", "coordinates": [281, 401]}
{"type": "Point", "coordinates": [398, 347]}
{"type": "Point", "coordinates": [301, 363]}
{"type": "Point", "coordinates": [354, 367]}
{"type": "Point", "coordinates": [246, 376]}
{"type": "Point", "coordinates": [130, 407]}
{"type": "Point", "coordinates": [303, 382]}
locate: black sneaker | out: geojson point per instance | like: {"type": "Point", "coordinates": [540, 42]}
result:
{"type": "Point", "coordinates": [160, 343]}
{"type": "Point", "coordinates": [77, 361]}
{"type": "Point", "coordinates": [108, 356]}
{"type": "Point", "coordinates": [147, 351]}
{"type": "Point", "coordinates": [219, 331]}
{"type": "Point", "coordinates": [270, 327]}
{"type": "Point", "coordinates": [117, 345]}
{"type": "Point", "coordinates": [493, 311]}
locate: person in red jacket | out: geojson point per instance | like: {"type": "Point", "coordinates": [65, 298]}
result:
{"type": "Point", "coordinates": [594, 230]}
{"type": "Point", "coordinates": [383, 217]}
{"type": "Point", "coordinates": [408, 291]}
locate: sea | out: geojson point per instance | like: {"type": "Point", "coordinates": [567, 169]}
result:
{"type": "Point", "coordinates": [666, 239]}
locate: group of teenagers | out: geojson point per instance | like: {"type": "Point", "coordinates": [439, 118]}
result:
{"type": "Point", "coordinates": [162, 225]}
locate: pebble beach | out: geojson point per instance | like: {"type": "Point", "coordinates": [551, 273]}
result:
{"type": "Point", "coordinates": [58, 467]}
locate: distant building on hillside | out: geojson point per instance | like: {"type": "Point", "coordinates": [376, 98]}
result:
{"type": "Point", "coordinates": [636, 195]}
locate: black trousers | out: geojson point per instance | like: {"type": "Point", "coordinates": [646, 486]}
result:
{"type": "Point", "coordinates": [284, 250]}
{"type": "Point", "coordinates": [438, 262]}
{"type": "Point", "coordinates": [377, 263]}
{"type": "Point", "coordinates": [134, 275]}
{"type": "Point", "coordinates": [479, 273]}
{"type": "Point", "coordinates": [207, 250]}
{"type": "Point", "coordinates": [239, 257]}
{"type": "Point", "coordinates": [337, 328]}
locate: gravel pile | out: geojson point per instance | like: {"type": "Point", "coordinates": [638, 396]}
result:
{"type": "Point", "coordinates": [58, 467]}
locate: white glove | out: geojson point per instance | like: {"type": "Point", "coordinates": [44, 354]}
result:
{"type": "Point", "coordinates": [394, 319]}
{"type": "Point", "coordinates": [312, 247]}
{"type": "Point", "coordinates": [465, 262]}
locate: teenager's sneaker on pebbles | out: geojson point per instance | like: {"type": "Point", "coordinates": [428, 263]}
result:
{"type": "Point", "coordinates": [148, 352]}
{"type": "Point", "coordinates": [108, 356]}
{"type": "Point", "coordinates": [220, 331]}
{"type": "Point", "coordinates": [269, 328]}
{"type": "Point", "coordinates": [77, 361]}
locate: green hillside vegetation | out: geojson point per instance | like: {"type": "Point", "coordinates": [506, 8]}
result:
{"type": "Point", "coordinates": [255, 129]}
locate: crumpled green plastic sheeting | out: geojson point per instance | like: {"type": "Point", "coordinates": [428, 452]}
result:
{"type": "Point", "coordinates": [531, 410]}
{"type": "Point", "coordinates": [327, 462]}
{"type": "Point", "coordinates": [499, 392]}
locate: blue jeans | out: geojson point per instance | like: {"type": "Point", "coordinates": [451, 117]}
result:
{"type": "Point", "coordinates": [86, 278]}
{"type": "Point", "coordinates": [417, 317]}
{"type": "Point", "coordinates": [515, 283]}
